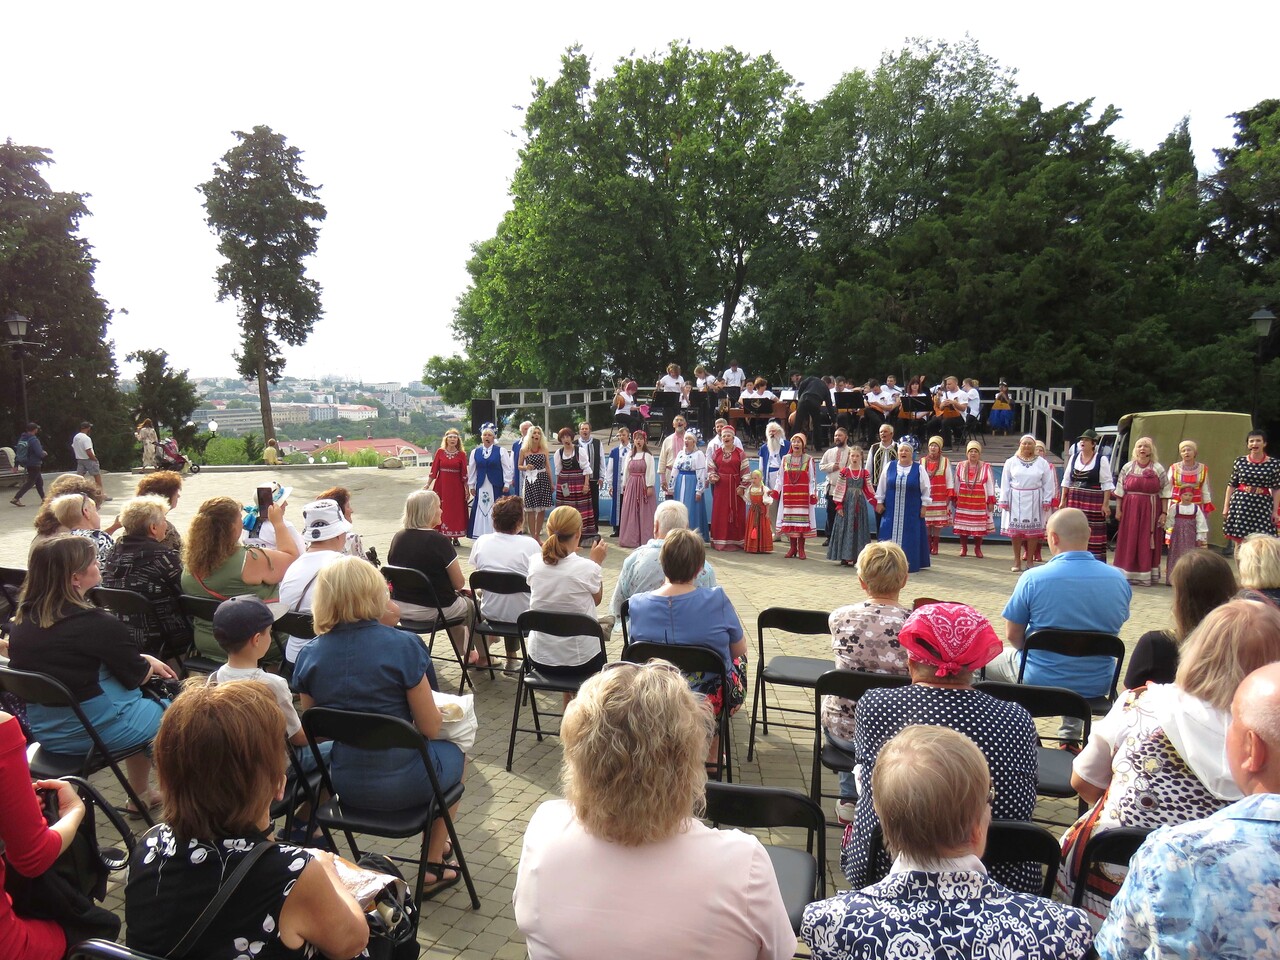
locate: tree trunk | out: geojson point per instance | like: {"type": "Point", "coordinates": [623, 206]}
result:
{"type": "Point", "coordinates": [731, 301]}
{"type": "Point", "coordinates": [264, 394]}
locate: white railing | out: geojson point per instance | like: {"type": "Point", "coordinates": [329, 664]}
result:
{"type": "Point", "coordinates": [520, 398]}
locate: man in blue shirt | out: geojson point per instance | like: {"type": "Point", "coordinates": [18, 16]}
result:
{"type": "Point", "coordinates": [1073, 591]}
{"type": "Point", "coordinates": [1211, 887]}
{"type": "Point", "coordinates": [33, 459]}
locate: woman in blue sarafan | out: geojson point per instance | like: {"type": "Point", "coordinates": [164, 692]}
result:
{"type": "Point", "coordinates": [689, 483]}
{"type": "Point", "coordinates": [489, 475]}
{"type": "Point", "coordinates": [901, 496]}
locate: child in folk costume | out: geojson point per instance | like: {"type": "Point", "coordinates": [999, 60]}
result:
{"type": "Point", "coordinates": [855, 502]}
{"type": "Point", "coordinates": [1187, 526]}
{"type": "Point", "coordinates": [797, 482]}
{"type": "Point", "coordinates": [941, 492]}
{"type": "Point", "coordinates": [975, 490]}
{"type": "Point", "coordinates": [758, 497]}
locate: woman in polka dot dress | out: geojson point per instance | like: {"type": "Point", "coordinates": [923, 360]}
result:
{"type": "Point", "coordinates": [1253, 492]}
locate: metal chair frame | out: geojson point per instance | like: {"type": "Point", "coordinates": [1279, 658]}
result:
{"type": "Point", "coordinates": [784, 670]}
{"type": "Point", "coordinates": [1078, 643]}
{"type": "Point", "coordinates": [417, 581]}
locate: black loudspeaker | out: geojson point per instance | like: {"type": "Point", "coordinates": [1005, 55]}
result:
{"type": "Point", "coordinates": [1076, 419]}
{"type": "Point", "coordinates": [483, 411]}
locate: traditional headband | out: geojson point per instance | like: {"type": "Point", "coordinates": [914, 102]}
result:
{"type": "Point", "coordinates": [489, 428]}
{"type": "Point", "coordinates": [973, 445]}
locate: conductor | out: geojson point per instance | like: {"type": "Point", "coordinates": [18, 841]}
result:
{"type": "Point", "coordinates": [812, 394]}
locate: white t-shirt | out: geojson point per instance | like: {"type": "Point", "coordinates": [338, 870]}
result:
{"type": "Point", "coordinates": [671, 384]}
{"type": "Point", "coordinates": [279, 687]}
{"type": "Point", "coordinates": [975, 402]}
{"type": "Point", "coordinates": [81, 445]}
{"type": "Point", "coordinates": [299, 585]}
{"type": "Point", "coordinates": [267, 537]}
{"type": "Point", "coordinates": [698, 893]}
{"type": "Point", "coordinates": [958, 395]}
{"type": "Point", "coordinates": [504, 553]}
{"type": "Point", "coordinates": [569, 586]}
{"type": "Point", "coordinates": [881, 396]}
{"type": "Point", "coordinates": [734, 378]}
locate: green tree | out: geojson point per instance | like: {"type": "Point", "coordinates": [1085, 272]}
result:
{"type": "Point", "coordinates": [46, 275]}
{"type": "Point", "coordinates": [266, 216]}
{"type": "Point", "coordinates": [168, 397]}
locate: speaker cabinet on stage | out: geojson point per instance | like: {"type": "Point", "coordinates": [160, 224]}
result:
{"type": "Point", "coordinates": [1076, 419]}
{"type": "Point", "coordinates": [483, 411]}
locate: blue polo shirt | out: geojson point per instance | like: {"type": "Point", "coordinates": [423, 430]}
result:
{"type": "Point", "coordinates": [1073, 591]}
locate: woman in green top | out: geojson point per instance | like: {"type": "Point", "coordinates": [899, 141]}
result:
{"type": "Point", "coordinates": [219, 566]}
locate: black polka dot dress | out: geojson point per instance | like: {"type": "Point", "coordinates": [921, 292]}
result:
{"type": "Point", "coordinates": [1251, 510]}
{"type": "Point", "coordinates": [1003, 731]}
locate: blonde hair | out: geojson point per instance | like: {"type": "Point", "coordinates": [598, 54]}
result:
{"type": "Point", "coordinates": [563, 525]}
{"type": "Point", "coordinates": [1155, 457]}
{"type": "Point", "coordinates": [421, 510]}
{"type": "Point", "coordinates": [635, 739]}
{"type": "Point", "coordinates": [141, 512]}
{"type": "Point", "coordinates": [528, 446]}
{"type": "Point", "coordinates": [682, 556]}
{"type": "Point", "coordinates": [1258, 559]}
{"type": "Point", "coordinates": [348, 590]}
{"type": "Point", "coordinates": [882, 566]}
{"type": "Point", "coordinates": [928, 789]}
{"type": "Point", "coordinates": [68, 509]}
{"type": "Point", "coordinates": [214, 535]}
{"type": "Point", "coordinates": [45, 522]}
{"type": "Point", "coordinates": [47, 594]}
{"type": "Point", "coordinates": [1230, 643]}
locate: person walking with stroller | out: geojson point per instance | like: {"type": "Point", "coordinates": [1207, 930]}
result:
{"type": "Point", "coordinates": [30, 453]}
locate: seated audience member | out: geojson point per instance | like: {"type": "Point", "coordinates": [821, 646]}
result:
{"type": "Point", "coordinates": [1158, 757]}
{"type": "Point", "coordinates": [271, 454]}
{"type": "Point", "coordinates": [642, 571]}
{"type": "Point", "coordinates": [291, 900]}
{"type": "Point", "coordinates": [563, 581]}
{"type": "Point", "coordinates": [420, 546]}
{"type": "Point", "coordinates": [506, 550]}
{"type": "Point", "coordinates": [620, 867]}
{"type": "Point", "coordinates": [324, 531]}
{"type": "Point", "coordinates": [31, 845]}
{"type": "Point", "coordinates": [864, 637]}
{"type": "Point", "coordinates": [45, 523]}
{"type": "Point", "coordinates": [1201, 581]}
{"type": "Point", "coordinates": [681, 612]}
{"type": "Point", "coordinates": [217, 565]}
{"type": "Point", "coordinates": [354, 547]}
{"type": "Point", "coordinates": [1208, 887]}
{"type": "Point", "coordinates": [1050, 596]}
{"type": "Point", "coordinates": [58, 632]}
{"type": "Point", "coordinates": [77, 513]}
{"type": "Point", "coordinates": [945, 644]}
{"type": "Point", "coordinates": [933, 794]}
{"type": "Point", "coordinates": [266, 533]}
{"type": "Point", "coordinates": [356, 663]}
{"type": "Point", "coordinates": [141, 562]}
{"type": "Point", "coordinates": [1258, 558]}
{"type": "Point", "coordinates": [167, 484]}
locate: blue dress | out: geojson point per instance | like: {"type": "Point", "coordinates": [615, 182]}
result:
{"type": "Point", "coordinates": [488, 485]}
{"type": "Point", "coordinates": [370, 668]}
{"type": "Point", "coordinates": [901, 521]}
{"type": "Point", "coordinates": [688, 484]}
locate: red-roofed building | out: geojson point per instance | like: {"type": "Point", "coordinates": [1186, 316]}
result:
{"type": "Point", "coordinates": [411, 454]}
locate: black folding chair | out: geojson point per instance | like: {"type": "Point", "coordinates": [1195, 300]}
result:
{"type": "Point", "coordinates": [694, 658]}
{"type": "Point", "coordinates": [11, 580]}
{"type": "Point", "coordinates": [198, 608]}
{"type": "Point", "coordinates": [137, 613]}
{"type": "Point", "coordinates": [498, 584]}
{"type": "Point", "coordinates": [105, 950]}
{"type": "Point", "coordinates": [801, 874]}
{"type": "Point", "coordinates": [44, 690]}
{"type": "Point", "coordinates": [407, 581]}
{"type": "Point", "coordinates": [1008, 841]}
{"type": "Point", "coordinates": [1115, 846]}
{"type": "Point", "coordinates": [848, 685]}
{"type": "Point", "coordinates": [295, 623]}
{"type": "Point", "coordinates": [785, 671]}
{"type": "Point", "coordinates": [532, 682]}
{"type": "Point", "coordinates": [1079, 643]}
{"type": "Point", "coordinates": [372, 731]}
{"type": "Point", "coordinates": [1053, 778]}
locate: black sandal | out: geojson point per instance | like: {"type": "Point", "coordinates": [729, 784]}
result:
{"type": "Point", "coordinates": [431, 890]}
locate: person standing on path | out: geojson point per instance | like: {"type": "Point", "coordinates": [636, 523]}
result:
{"type": "Point", "coordinates": [31, 456]}
{"type": "Point", "coordinates": [86, 459]}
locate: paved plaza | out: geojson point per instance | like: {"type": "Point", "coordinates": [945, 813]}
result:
{"type": "Point", "coordinates": [497, 804]}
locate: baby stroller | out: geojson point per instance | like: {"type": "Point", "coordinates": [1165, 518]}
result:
{"type": "Point", "coordinates": [169, 457]}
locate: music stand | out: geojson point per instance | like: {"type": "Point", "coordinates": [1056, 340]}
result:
{"type": "Point", "coordinates": [668, 401]}
{"type": "Point", "coordinates": [917, 404]}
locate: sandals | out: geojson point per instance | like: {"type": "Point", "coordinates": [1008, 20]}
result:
{"type": "Point", "coordinates": [431, 890]}
{"type": "Point", "coordinates": [132, 812]}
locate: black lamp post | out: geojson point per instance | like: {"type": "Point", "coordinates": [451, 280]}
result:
{"type": "Point", "coordinates": [1261, 319]}
{"type": "Point", "coordinates": [16, 328]}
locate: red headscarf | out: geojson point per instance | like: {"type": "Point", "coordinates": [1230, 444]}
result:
{"type": "Point", "coordinates": [952, 637]}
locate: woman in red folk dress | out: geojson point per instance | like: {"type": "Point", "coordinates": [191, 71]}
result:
{"type": "Point", "coordinates": [448, 479]}
{"type": "Point", "coordinates": [975, 489]}
{"type": "Point", "coordinates": [1189, 501]}
{"type": "Point", "coordinates": [727, 473]}
{"type": "Point", "coordinates": [1142, 492]}
{"type": "Point", "coordinates": [797, 482]}
{"type": "Point", "coordinates": [938, 514]}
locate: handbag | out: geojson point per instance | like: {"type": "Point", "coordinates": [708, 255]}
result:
{"type": "Point", "coordinates": [389, 909]}
{"type": "Point", "coordinates": [460, 724]}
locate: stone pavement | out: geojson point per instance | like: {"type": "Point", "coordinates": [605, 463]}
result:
{"type": "Point", "coordinates": [497, 804]}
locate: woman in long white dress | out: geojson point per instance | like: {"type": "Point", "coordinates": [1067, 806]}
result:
{"type": "Point", "coordinates": [489, 475]}
{"type": "Point", "coordinates": [1027, 488]}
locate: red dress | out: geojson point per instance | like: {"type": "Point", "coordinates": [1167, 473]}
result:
{"type": "Point", "coordinates": [32, 847]}
{"type": "Point", "coordinates": [728, 512]}
{"type": "Point", "coordinates": [759, 526]}
{"type": "Point", "coordinates": [449, 476]}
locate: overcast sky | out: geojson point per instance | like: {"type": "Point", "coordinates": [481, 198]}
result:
{"type": "Point", "coordinates": [405, 114]}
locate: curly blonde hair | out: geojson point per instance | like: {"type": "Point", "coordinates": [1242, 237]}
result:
{"type": "Point", "coordinates": [45, 522]}
{"type": "Point", "coordinates": [635, 739]}
{"type": "Point", "coordinates": [1229, 644]}
{"type": "Point", "coordinates": [214, 535]}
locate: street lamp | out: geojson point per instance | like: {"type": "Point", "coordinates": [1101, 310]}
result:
{"type": "Point", "coordinates": [1262, 318]}
{"type": "Point", "coordinates": [16, 327]}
